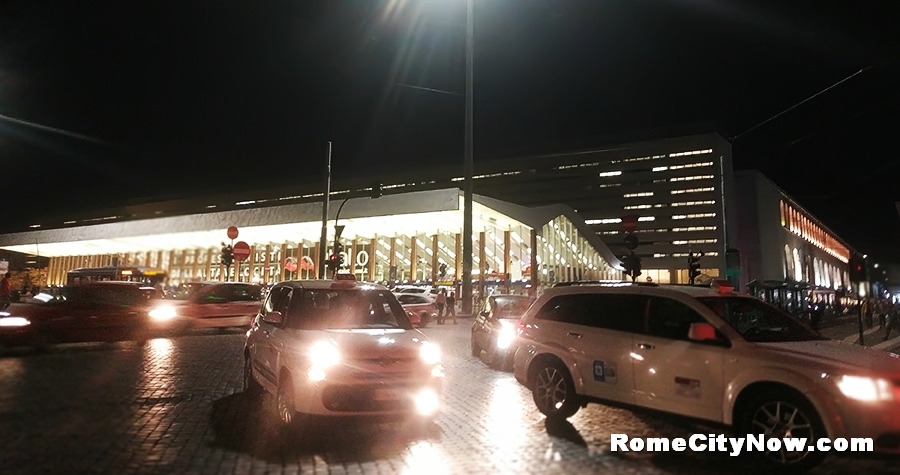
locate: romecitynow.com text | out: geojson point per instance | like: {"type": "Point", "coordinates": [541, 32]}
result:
{"type": "Point", "coordinates": [735, 445]}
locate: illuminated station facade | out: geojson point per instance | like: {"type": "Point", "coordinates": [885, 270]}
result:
{"type": "Point", "coordinates": [410, 238]}
{"type": "Point", "coordinates": [563, 212]}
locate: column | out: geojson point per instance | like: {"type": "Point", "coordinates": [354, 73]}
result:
{"type": "Point", "coordinates": [195, 274]}
{"type": "Point", "coordinates": [482, 259]}
{"type": "Point", "coordinates": [282, 257]}
{"type": "Point", "coordinates": [392, 262]}
{"type": "Point", "coordinates": [535, 272]}
{"type": "Point", "coordinates": [266, 263]}
{"type": "Point", "coordinates": [351, 259]}
{"type": "Point", "coordinates": [372, 259]}
{"type": "Point", "coordinates": [251, 262]}
{"type": "Point", "coordinates": [434, 257]}
{"type": "Point", "coordinates": [506, 247]}
{"type": "Point", "coordinates": [457, 264]}
{"type": "Point", "coordinates": [148, 258]}
{"type": "Point", "coordinates": [413, 258]}
{"type": "Point", "coordinates": [159, 259]}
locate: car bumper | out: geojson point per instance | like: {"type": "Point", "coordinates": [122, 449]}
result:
{"type": "Point", "coordinates": [879, 421]}
{"type": "Point", "coordinates": [369, 398]}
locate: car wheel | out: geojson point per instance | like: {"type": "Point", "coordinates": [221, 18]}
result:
{"type": "Point", "coordinates": [780, 414]}
{"type": "Point", "coordinates": [554, 391]}
{"type": "Point", "coordinates": [284, 404]}
{"type": "Point", "coordinates": [251, 386]}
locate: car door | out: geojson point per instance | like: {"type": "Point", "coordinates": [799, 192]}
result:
{"type": "Point", "coordinates": [263, 346]}
{"type": "Point", "coordinates": [672, 373]}
{"type": "Point", "coordinates": [597, 329]}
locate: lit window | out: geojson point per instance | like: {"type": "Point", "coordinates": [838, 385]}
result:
{"type": "Point", "coordinates": [692, 152]}
{"type": "Point", "coordinates": [647, 218]}
{"type": "Point", "coordinates": [638, 207]}
{"type": "Point", "coordinates": [691, 165]}
{"type": "Point", "coordinates": [660, 255]}
{"type": "Point", "coordinates": [638, 195]}
{"type": "Point", "coordinates": [693, 216]}
{"type": "Point", "coordinates": [607, 185]}
{"type": "Point", "coordinates": [694, 203]}
{"type": "Point", "coordinates": [693, 190]}
{"type": "Point", "coordinates": [694, 228]}
{"type": "Point", "coordinates": [616, 173]}
{"type": "Point", "coordinates": [660, 169]}
{"type": "Point", "coordinates": [696, 241]}
{"type": "Point", "coordinates": [603, 221]}
{"type": "Point", "coordinates": [692, 178]}
{"type": "Point", "coordinates": [610, 232]}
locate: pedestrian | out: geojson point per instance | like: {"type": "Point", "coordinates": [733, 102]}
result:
{"type": "Point", "coordinates": [5, 291]}
{"type": "Point", "coordinates": [891, 320]}
{"type": "Point", "coordinates": [441, 301]}
{"type": "Point", "coordinates": [451, 305]}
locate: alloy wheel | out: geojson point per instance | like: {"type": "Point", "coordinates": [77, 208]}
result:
{"type": "Point", "coordinates": [550, 389]}
{"type": "Point", "coordinates": [780, 419]}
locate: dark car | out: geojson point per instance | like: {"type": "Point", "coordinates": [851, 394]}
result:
{"type": "Point", "coordinates": [494, 328]}
{"type": "Point", "coordinates": [210, 305]}
{"type": "Point", "coordinates": [98, 311]}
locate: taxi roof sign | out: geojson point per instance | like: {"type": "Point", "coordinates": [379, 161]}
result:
{"type": "Point", "coordinates": [347, 276]}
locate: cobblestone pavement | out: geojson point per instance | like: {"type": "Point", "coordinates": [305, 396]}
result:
{"type": "Point", "coordinates": [175, 406]}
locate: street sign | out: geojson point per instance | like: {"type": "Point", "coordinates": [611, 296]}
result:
{"type": "Point", "coordinates": [241, 250]}
{"type": "Point", "coordinates": [629, 223]}
{"type": "Point", "coordinates": [232, 232]}
{"type": "Point", "coordinates": [631, 242]}
{"type": "Point", "coordinates": [290, 264]}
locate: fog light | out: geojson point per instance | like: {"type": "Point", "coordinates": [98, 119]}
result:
{"type": "Point", "coordinates": [427, 402]}
{"type": "Point", "coordinates": [316, 374]}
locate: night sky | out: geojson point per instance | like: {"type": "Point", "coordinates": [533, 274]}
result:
{"type": "Point", "coordinates": [170, 99]}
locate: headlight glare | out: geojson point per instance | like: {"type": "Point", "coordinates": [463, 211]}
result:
{"type": "Point", "coordinates": [507, 335]}
{"type": "Point", "coordinates": [863, 388]}
{"type": "Point", "coordinates": [324, 355]}
{"type": "Point", "coordinates": [430, 353]}
{"type": "Point", "coordinates": [14, 322]}
{"type": "Point", "coordinates": [163, 313]}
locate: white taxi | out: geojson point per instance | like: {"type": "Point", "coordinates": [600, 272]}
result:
{"type": "Point", "coordinates": [707, 353]}
{"type": "Point", "coordinates": [342, 348]}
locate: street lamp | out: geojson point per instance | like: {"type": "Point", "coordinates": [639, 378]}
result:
{"type": "Point", "coordinates": [468, 162]}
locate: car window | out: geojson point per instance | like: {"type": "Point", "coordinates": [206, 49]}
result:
{"type": "Point", "coordinates": [277, 301]}
{"type": "Point", "coordinates": [504, 307]}
{"type": "Point", "coordinates": [323, 309]}
{"type": "Point", "coordinates": [622, 312]}
{"type": "Point", "coordinates": [758, 321]}
{"type": "Point", "coordinates": [404, 299]}
{"type": "Point", "coordinates": [669, 318]}
{"type": "Point", "coordinates": [244, 293]}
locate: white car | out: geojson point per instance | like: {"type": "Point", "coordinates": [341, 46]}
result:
{"type": "Point", "coordinates": [340, 348]}
{"type": "Point", "coordinates": [707, 353]}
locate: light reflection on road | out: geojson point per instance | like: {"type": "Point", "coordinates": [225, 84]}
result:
{"type": "Point", "coordinates": [425, 458]}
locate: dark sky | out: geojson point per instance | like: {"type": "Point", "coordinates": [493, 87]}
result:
{"type": "Point", "coordinates": [192, 97]}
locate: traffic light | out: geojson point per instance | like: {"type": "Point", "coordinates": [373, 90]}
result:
{"type": "Point", "coordinates": [227, 257]}
{"type": "Point", "coordinates": [632, 265]}
{"type": "Point", "coordinates": [442, 270]}
{"type": "Point", "coordinates": [338, 254]}
{"type": "Point", "coordinates": [694, 266]}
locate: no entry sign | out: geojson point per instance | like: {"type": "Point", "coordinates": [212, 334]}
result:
{"type": "Point", "coordinates": [241, 250]}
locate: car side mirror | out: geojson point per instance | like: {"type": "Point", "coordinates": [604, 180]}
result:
{"type": "Point", "coordinates": [275, 317]}
{"type": "Point", "coordinates": [702, 332]}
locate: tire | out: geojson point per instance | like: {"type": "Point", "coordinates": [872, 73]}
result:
{"type": "Point", "coordinates": [796, 417]}
{"type": "Point", "coordinates": [251, 386]}
{"type": "Point", "coordinates": [288, 419]}
{"type": "Point", "coordinates": [554, 391]}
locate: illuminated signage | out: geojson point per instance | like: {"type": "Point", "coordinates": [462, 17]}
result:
{"type": "Point", "coordinates": [798, 223]}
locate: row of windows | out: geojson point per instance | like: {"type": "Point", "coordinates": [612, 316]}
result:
{"type": "Point", "coordinates": [664, 230]}
{"type": "Point", "coordinates": [676, 204]}
{"type": "Point", "coordinates": [650, 218]}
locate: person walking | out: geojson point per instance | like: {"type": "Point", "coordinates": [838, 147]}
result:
{"type": "Point", "coordinates": [441, 302]}
{"type": "Point", "coordinates": [451, 305]}
{"type": "Point", "coordinates": [5, 291]}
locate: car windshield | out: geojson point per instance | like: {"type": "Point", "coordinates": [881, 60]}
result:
{"type": "Point", "coordinates": [758, 321]}
{"type": "Point", "coordinates": [510, 306]}
{"type": "Point", "coordinates": [331, 309]}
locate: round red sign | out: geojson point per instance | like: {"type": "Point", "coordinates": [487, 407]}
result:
{"type": "Point", "coordinates": [290, 264]}
{"type": "Point", "coordinates": [241, 250]}
{"type": "Point", "coordinates": [232, 232]}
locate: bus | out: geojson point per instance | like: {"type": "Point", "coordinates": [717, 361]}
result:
{"type": "Point", "coordinates": [144, 275]}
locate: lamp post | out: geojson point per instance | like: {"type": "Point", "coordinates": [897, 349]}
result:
{"type": "Point", "coordinates": [324, 236]}
{"type": "Point", "coordinates": [468, 163]}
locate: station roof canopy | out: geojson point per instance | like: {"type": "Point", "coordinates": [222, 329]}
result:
{"type": "Point", "coordinates": [422, 212]}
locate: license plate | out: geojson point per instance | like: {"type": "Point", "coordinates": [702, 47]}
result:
{"type": "Point", "coordinates": [387, 394]}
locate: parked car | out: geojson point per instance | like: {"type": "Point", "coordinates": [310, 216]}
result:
{"type": "Point", "coordinates": [210, 305]}
{"type": "Point", "coordinates": [427, 292]}
{"type": "Point", "coordinates": [494, 328]}
{"type": "Point", "coordinates": [97, 311]}
{"type": "Point", "coordinates": [422, 310]}
{"type": "Point", "coordinates": [340, 348]}
{"type": "Point", "coordinates": [706, 353]}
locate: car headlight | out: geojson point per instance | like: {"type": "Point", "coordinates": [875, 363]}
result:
{"type": "Point", "coordinates": [163, 313]}
{"type": "Point", "coordinates": [430, 353]}
{"type": "Point", "coordinates": [323, 355]}
{"type": "Point", "coordinates": [863, 388]}
{"type": "Point", "coordinates": [14, 322]}
{"type": "Point", "coordinates": [507, 335]}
